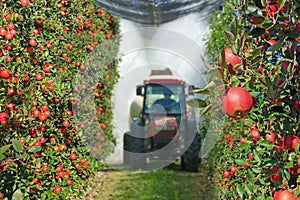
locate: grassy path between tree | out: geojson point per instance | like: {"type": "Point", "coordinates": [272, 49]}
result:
{"type": "Point", "coordinates": [166, 184]}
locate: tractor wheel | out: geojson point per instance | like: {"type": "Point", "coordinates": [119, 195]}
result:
{"type": "Point", "coordinates": [138, 161]}
{"type": "Point", "coordinates": [127, 142]}
{"type": "Point", "coordinates": [190, 160]}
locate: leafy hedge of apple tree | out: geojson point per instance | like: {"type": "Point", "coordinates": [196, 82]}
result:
{"type": "Point", "coordinates": [265, 35]}
{"type": "Point", "coordinates": [44, 44]}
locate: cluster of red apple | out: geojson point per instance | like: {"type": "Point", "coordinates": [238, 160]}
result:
{"type": "Point", "coordinates": [264, 64]}
{"type": "Point", "coordinates": [237, 103]}
{"type": "Point", "coordinates": [40, 56]}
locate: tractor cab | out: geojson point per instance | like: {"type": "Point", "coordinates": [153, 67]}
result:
{"type": "Point", "coordinates": [163, 120]}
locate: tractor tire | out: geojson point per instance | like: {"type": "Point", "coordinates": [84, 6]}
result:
{"type": "Point", "coordinates": [127, 142]}
{"type": "Point", "coordinates": [190, 160]}
{"type": "Point", "coordinates": [138, 161]}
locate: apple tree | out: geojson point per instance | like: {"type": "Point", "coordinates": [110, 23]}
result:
{"type": "Point", "coordinates": [44, 45]}
{"type": "Point", "coordinates": [257, 152]}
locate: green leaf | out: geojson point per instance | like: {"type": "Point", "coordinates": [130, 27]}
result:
{"type": "Point", "coordinates": [256, 156]}
{"type": "Point", "coordinates": [44, 196]}
{"type": "Point", "coordinates": [235, 81]}
{"type": "Point", "coordinates": [275, 47]}
{"type": "Point", "coordinates": [22, 156]}
{"type": "Point", "coordinates": [210, 85]}
{"type": "Point", "coordinates": [262, 80]}
{"type": "Point", "coordinates": [235, 47]}
{"type": "Point", "coordinates": [17, 145]}
{"type": "Point", "coordinates": [276, 80]}
{"type": "Point", "coordinates": [256, 170]}
{"type": "Point", "coordinates": [257, 32]}
{"type": "Point", "coordinates": [255, 94]}
{"type": "Point", "coordinates": [280, 3]}
{"type": "Point", "coordinates": [268, 162]}
{"type": "Point", "coordinates": [217, 72]}
{"type": "Point", "coordinates": [222, 58]}
{"type": "Point", "coordinates": [297, 148]}
{"type": "Point", "coordinates": [2, 157]}
{"type": "Point", "coordinates": [270, 92]}
{"type": "Point", "coordinates": [18, 195]}
{"type": "Point", "coordinates": [205, 110]}
{"type": "Point", "coordinates": [268, 144]}
{"type": "Point", "coordinates": [240, 161]}
{"type": "Point", "coordinates": [250, 179]}
{"type": "Point", "coordinates": [240, 190]}
{"type": "Point", "coordinates": [201, 91]}
{"type": "Point", "coordinates": [35, 149]}
{"type": "Point", "coordinates": [4, 148]}
{"type": "Point", "coordinates": [205, 90]}
{"type": "Point", "coordinates": [206, 64]}
{"type": "Point", "coordinates": [197, 103]}
{"type": "Point", "coordinates": [289, 165]}
{"type": "Point", "coordinates": [229, 35]}
{"type": "Point", "coordinates": [248, 189]}
{"type": "Point", "coordinates": [233, 26]}
{"type": "Point", "coordinates": [244, 146]}
{"type": "Point", "coordinates": [293, 34]}
{"type": "Point", "coordinates": [287, 174]}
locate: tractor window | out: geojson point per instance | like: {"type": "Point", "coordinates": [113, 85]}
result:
{"type": "Point", "coordinates": [170, 97]}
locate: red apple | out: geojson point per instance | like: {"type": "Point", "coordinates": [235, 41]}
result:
{"type": "Point", "coordinates": [237, 102]}
{"type": "Point", "coordinates": [295, 141]}
{"type": "Point", "coordinates": [231, 59]}
{"type": "Point", "coordinates": [290, 141]}
{"type": "Point", "coordinates": [32, 42]}
{"type": "Point", "coordinates": [44, 108]}
{"type": "Point", "coordinates": [39, 77]}
{"type": "Point", "coordinates": [233, 169]}
{"type": "Point", "coordinates": [69, 182]}
{"type": "Point", "coordinates": [284, 195]}
{"type": "Point", "coordinates": [275, 176]}
{"type": "Point", "coordinates": [73, 156]}
{"type": "Point", "coordinates": [251, 156]}
{"type": "Point", "coordinates": [24, 3]}
{"type": "Point", "coordinates": [59, 169]}
{"type": "Point", "coordinates": [296, 104]}
{"type": "Point", "coordinates": [57, 189]}
{"type": "Point", "coordinates": [226, 174]}
{"type": "Point", "coordinates": [10, 106]}
{"type": "Point", "coordinates": [255, 133]}
{"type": "Point", "coordinates": [66, 123]}
{"type": "Point", "coordinates": [42, 117]}
{"type": "Point", "coordinates": [271, 136]}
{"type": "Point", "coordinates": [103, 126]}
{"type": "Point", "coordinates": [5, 73]}
{"type": "Point", "coordinates": [11, 91]}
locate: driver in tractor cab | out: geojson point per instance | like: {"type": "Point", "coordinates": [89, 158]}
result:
{"type": "Point", "coordinates": [166, 102]}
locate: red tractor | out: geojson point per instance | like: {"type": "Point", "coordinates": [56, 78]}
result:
{"type": "Point", "coordinates": [165, 129]}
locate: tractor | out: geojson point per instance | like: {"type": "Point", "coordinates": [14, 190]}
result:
{"type": "Point", "coordinates": [166, 128]}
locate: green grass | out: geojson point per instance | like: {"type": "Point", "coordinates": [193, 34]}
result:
{"type": "Point", "coordinates": [165, 184]}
